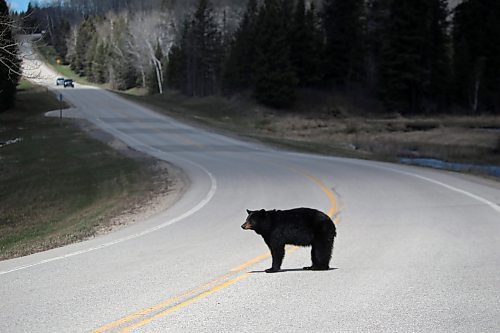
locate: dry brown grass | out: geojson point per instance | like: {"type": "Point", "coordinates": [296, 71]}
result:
{"type": "Point", "coordinates": [338, 125]}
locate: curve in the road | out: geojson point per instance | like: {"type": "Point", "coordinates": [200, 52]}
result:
{"type": "Point", "coordinates": [154, 312]}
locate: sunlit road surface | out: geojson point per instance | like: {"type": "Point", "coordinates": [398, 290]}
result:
{"type": "Point", "coordinates": [418, 250]}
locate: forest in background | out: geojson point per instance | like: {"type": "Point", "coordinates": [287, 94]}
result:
{"type": "Point", "coordinates": [415, 57]}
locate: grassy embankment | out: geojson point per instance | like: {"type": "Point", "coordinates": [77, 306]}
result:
{"type": "Point", "coordinates": [340, 126]}
{"type": "Point", "coordinates": [57, 185]}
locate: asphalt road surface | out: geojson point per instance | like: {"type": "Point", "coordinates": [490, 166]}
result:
{"type": "Point", "coordinates": [418, 250]}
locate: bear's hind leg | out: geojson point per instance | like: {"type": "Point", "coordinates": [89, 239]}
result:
{"type": "Point", "coordinates": [313, 259]}
{"type": "Point", "coordinates": [321, 254]}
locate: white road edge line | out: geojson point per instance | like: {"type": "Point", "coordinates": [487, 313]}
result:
{"type": "Point", "coordinates": [200, 205]}
{"type": "Point", "coordinates": [449, 187]}
{"type": "Point", "coordinates": [487, 202]}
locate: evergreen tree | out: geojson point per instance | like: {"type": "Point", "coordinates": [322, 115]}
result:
{"type": "Point", "coordinates": [306, 45]}
{"type": "Point", "coordinates": [344, 32]}
{"type": "Point", "coordinates": [476, 30]}
{"type": "Point", "coordinates": [414, 64]}
{"type": "Point", "coordinates": [196, 64]}
{"type": "Point", "coordinates": [377, 14]}
{"type": "Point", "coordinates": [204, 52]}
{"type": "Point", "coordinates": [29, 22]}
{"type": "Point", "coordinates": [176, 68]}
{"type": "Point", "coordinates": [275, 79]}
{"type": "Point", "coordinates": [59, 36]}
{"type": "Point", "coordinates": [81, 59]}
{"type": "Point", "coordinates": [438, 57]}
{"type": "Point", "coordinates": [9, 60]}
{"type": "Point", "coordinates": [90, 57]}
{"type": "Point", "coordinates": [298, 41]}
{"type": "Point", "coordinates": [177, 61]}
{"type": "Point", "coordinates": [238, 69]}
{"type": "Point", "coordinates": [99, 70]}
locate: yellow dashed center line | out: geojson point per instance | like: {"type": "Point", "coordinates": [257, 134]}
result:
{"type": "Point", "coordinates": [185, 303]}
{"type": "Point", "coordinates": [149, 314]}
{"type": "Point", "coordinates": [146, 311]}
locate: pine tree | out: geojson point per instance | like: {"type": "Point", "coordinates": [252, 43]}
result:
{"type": "Point", "coordinates": [28, 19]}
{"type": "Point", "coordinates": [306, 45]}
{"type": "Point", "coordinates": [86, 33]}
{"type": "Point", "coordinates": [176, 72]}
{"type": "Point", "coordinates": [403, 71]}
{"type": "Point", "coordinates": [59, 36]}
{"type": "Point", "coordinates": [377, 14]}
{"type": "Point", "coordinates": [176, 69]}
{"type": "Point", "coordinates": [438, 57]}
{"type": "Point", "coordinates": [298, 41]}
{"type": "Point", "coordinates": [344, 32]}
{"type": "Point", "coordinates": [275, 79]}
{"type": "Point", "coordinates": [476, 62]}
{"type": "Point", "coordinates": [415, 56]}
{"type": "Point", "coordinates": [205, 52]}
{"type": "Point", "coordinates": [89, 57]}
{"type": "Point", "coordinates": [99, 70]}
{"type": "Point", "coordinates": [195, 61]}
{"type": "Point", "coordinates": [9, 60]}
{"type": "Point", "coordinates": [238, 69]}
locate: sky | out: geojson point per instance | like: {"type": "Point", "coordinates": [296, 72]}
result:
{"type": "Point", "coordinates": [19, 5]}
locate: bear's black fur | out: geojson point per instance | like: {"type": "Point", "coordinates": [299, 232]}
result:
{"type": "Point", "coordinates": [299, 226]}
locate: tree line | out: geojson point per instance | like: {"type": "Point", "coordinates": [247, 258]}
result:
{"type": "Point", "coordinates": [417, 57]}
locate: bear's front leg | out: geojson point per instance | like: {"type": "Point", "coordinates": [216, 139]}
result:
{"type": "Point", "coordinates": [278, 252]}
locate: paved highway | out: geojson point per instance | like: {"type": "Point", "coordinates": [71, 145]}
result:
{"type": "Point", "coordinates": [417, 249]}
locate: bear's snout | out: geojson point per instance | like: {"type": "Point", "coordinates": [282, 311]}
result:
{"type": "Point", "coordinates": [246, 226]}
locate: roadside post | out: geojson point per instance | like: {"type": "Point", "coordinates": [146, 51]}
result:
{"type": "Point", "coordinates": [60, 105]}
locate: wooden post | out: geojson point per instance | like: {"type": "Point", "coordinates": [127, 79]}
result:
{"type": "Point", "coordinates": [60, 105]}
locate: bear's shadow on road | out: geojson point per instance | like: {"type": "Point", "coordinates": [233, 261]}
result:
{"type": "Point", "coordinates": [286, 270]}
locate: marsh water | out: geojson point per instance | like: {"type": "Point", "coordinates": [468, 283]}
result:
{"type": "Point", "coordinates": [493, 170]}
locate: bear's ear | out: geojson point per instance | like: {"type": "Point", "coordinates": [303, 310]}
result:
{"type": "Point", "coordinates": [249, 211]}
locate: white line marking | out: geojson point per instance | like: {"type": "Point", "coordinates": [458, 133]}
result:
{"type": "Point", "coordinates": [449, 187]}
{"type": "Point", "coordinates": [487, 202]}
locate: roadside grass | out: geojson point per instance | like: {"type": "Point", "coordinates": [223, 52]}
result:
{"type": "Point", "coordinates": [336, 125]}
{"type": "Point", "coordinates": [57, 185]}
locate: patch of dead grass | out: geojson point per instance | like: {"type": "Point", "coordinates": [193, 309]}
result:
{"type": "Point", "coordinates": [335, 124]}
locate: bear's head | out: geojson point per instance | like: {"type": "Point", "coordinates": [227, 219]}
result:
{"type": "Point", "coordinates": [256, 220]}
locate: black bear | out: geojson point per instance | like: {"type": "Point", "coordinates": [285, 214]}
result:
{"type": "Point", "coordinates": [299, 226]}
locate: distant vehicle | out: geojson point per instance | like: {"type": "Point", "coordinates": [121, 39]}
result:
{"type": "Point", "coordinates": [60, 81]}
{"type": "Point", "coordinates": [69, 83]}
